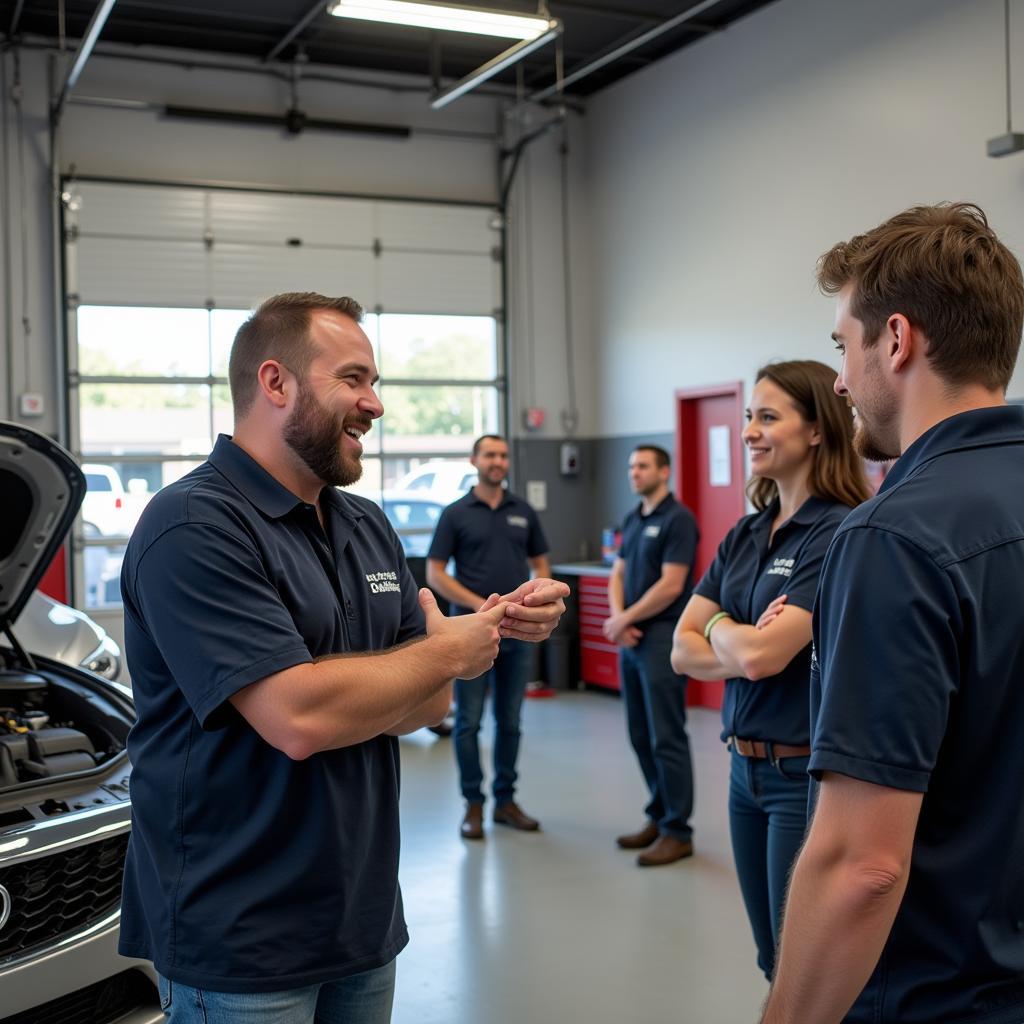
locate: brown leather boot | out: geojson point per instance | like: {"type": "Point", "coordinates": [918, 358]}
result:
{"type": "Point", "coordinates": [666, 850]}
{"type": "Point", "coordinates": [638, 840]}
{"type": "Point", "coordinates": [510, 813]}
{"type": "Point", "coordinates": [472, 826]}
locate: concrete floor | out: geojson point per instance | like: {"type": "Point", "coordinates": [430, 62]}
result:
{"type": "Point", "coordinates": [563, 926]}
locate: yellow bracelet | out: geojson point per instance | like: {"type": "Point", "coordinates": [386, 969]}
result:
{"type": "Point", "coordinates": [717, 617]}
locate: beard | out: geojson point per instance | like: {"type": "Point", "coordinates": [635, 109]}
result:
{"type": "Point", "coordinates": [869, 445]}
{"type": "Point", "coordinates": [876, 435]}
{"type": "Point", "coordinates": [315, 435]}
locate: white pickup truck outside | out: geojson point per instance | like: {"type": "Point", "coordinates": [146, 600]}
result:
{"type": "Point", "coordinates": [106, 505]}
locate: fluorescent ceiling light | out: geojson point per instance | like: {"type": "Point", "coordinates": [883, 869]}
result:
{"type": "Point", "coordinates": [443, 16]}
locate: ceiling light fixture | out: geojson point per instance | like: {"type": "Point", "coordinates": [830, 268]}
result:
{"type": "Point", "coordinates": [445, 17]}
{"type": "Point", "coordinates": [1011, 142]}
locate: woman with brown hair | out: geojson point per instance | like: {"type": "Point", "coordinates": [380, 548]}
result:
{"type": "Point", "coordinates": [749, 621]}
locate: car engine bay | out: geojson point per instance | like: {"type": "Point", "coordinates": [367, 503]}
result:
{"type": "Point", "coordinates": [54, 726]}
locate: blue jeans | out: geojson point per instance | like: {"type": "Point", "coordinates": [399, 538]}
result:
{"type": "Point", "coordinates": [655, 699]}
{"type": "Point", "coordinates": [767, 821]}
{"type": "Point", "coordinates": [358, 999]}
{"type": "Point", "coordinates": [507, 682]}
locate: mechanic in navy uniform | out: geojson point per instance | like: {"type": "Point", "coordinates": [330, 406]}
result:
{"type": "Point", "coordinates": [907, 900]}
{"type": "Point", "coordinates": [276, 645]}
{"type": "Point", "coordinates": [749, 622]}
{"type": "Point", "coordinates": [494, 536]}
{"type": "Point", "coordinates": [650, 583]}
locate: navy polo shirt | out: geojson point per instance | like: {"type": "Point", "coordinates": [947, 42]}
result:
{"type": "Point", "coordinates": [748, 573]}
{"type": "Point", "coordinates": [919, 685]}
{"type": "Point", "coordinates": [667, 535]}
{"type": "Point", "coordinates": [490, 545]}
{"type": "Point", "coordinates": [248, 871]}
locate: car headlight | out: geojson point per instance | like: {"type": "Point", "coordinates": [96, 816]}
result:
{"type": "Point", "coordinates": [105, 660]}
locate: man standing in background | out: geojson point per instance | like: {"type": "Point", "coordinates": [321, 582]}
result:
{"type": "Point", "coordinates": [649, 586]}
{"type": "Point", "coordinates": [494, 536]}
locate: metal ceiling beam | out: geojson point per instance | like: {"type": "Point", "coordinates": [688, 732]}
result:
{"type": "Point", "coordinates": [620, 51]}
{"type": "Point", "coordinates": [623, 14]}
{"type": "Point", "coordinates": [16, 18]}
{"type": "Point", "coordinates": [495, 65]}
{"type": "Point", "coordinates": [92, 34]}
{"type": "Point", "coordinates": [320, 7]}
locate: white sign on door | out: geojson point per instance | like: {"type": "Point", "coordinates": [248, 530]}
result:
{"type": "Point", "coordinates": [719, 457]}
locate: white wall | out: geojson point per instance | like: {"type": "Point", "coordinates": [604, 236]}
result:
{"type": "Point", "coordinates": [720, 174]}
{"type": "Point", "coordinates": [538, 284]}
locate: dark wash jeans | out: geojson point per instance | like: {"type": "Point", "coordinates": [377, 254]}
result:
{"type": "Point", "coordinates": [655, 699]}
{"type": "Point", "coordinates": [767, 821]}
{"type": "Point", "coordinates": [506, 682]}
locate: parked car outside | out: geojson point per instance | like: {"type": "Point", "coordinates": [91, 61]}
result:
{"type": "Point", "coordinates": [416, 501]}
{"type": "Point", "coordinates": [110, 508]}
{"type": "Point", "coordinates": [441, 480]}
{"type": "Point", "coordinates": [105, 506]}
{"type": "Point", "coordinates": [414, 518]}
{"type": "Point", "coordinates": [65, 812]}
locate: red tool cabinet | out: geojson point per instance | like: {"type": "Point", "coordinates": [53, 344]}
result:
{"type": "Point", "coordinates": [599, 660]}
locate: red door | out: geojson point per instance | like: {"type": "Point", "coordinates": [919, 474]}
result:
{"type": "Point", "coordinates": [709, 480]}
{"type": "Point", "coordinates": [55, 581]}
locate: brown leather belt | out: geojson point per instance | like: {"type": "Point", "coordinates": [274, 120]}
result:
{"type": "Point", "coordinates": [760, 750]}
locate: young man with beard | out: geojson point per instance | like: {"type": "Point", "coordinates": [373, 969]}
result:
{"type": "Point", "coordinates": [907, 901]}
{"type": "Point", "coordinates": [496, 539]}
{"type": "Point", "coordinates": [649, 586]}
{"type": "Point", "coordinates": [277, 647]}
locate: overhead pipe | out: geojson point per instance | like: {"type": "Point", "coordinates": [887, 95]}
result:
{"type": "Point", "coordinates": [17, 17]}
{"type": "Point", "coordinates": [320, 7]}
{"type": "Point", "coordinates": [621, 51]}
{"type": "Point", "coordinates": [511, 56]}
{"type": "Point", "coordinates": [92, 34]}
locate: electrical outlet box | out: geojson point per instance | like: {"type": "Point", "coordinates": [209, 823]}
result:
{"type": "Point", "coordinates": [537, 494]}
{"type": "Point", "coordinates": [31, 404]}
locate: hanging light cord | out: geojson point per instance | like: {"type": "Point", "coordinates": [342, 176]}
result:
{"type": "Point", "coordinates": [570, 417]}
{"type": "Point", "coordinates": [1009, 121]}
{"type": "Point", "coordinates": [19, 120]}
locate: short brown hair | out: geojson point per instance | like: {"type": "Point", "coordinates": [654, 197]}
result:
{"type": "Point", "coordinates": [661, 457]}
{"type": "Point", "coordinates": [486, 437]}
{"type": "Point", "coordinates": [837, 473]}
{"type": "Point", "coordinates": [945, 270]}
{"type": "Point", "coordinates": [279, 329]}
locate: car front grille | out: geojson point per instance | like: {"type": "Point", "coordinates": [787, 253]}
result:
{"type": "Point", "coordinates": [106, 1001]}
{"type": "Point", "coordinates": [54, 896]}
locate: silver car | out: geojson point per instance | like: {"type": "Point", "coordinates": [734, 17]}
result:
{"type": "Point", "coordinates": [48, 627]}
{"type": "Point", "coordinates": [65, 814]}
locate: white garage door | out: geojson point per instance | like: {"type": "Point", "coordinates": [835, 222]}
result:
{"type": "Point", "coordinates": [158, 278]}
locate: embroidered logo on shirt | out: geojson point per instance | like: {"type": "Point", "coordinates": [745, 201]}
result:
{"type": "Point", "coordinates": [520, 521]}
{"type": "Point", "coordinates": [652, 530]}
{"type": "Point", "coordinates": [383, 582]}
{"type": "Point", "coordinates": [781, 567]}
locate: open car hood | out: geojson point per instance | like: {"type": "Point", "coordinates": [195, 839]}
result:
{"type": "Point", "coordinates": [41, 490]}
